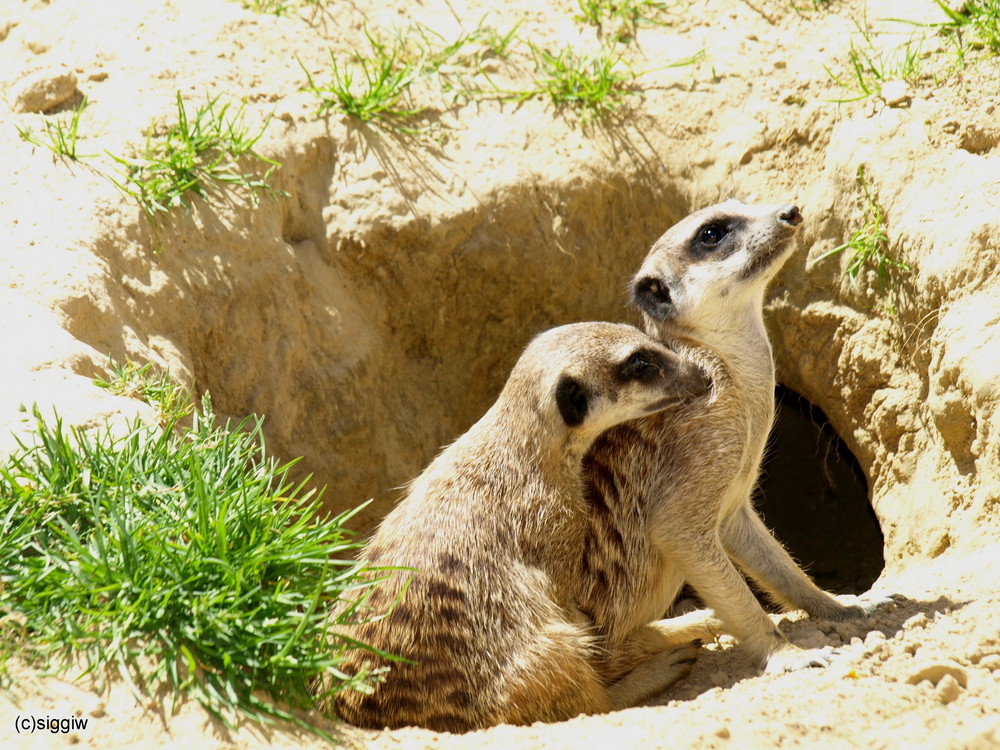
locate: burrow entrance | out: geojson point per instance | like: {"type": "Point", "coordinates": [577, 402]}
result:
{"type": "Point", "coordinates": [814, 496]}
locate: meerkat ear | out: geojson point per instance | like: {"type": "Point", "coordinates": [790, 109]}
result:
{"type": "Point", "coordinates": [652, 296]}
{"type": "Point", "coordinates": [573, 400]}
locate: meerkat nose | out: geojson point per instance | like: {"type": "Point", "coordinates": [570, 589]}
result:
{"type": "Point", "coordinates": [790, 215]}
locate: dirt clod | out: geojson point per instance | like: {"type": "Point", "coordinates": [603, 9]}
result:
{"type": "Point", "coordinates": [934, 672]}
{"type": "Point", "coordinates": [43, 90]}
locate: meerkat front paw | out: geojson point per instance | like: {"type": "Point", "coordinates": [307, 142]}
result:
{"type": "Point", "coordinates": [792, 659]}
{"type": "Point", "coordinates": [866, 604]}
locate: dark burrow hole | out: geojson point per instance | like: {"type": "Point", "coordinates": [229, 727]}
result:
{"type": "Point", "coordinates": [814, 496]}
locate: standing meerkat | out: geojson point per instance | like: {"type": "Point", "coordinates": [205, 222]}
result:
{"type": "Point", "coordinates": [493, 534]}
{"type": "Point", "coordinates": [670, 495]}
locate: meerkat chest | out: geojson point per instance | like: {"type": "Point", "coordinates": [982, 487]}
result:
{"type": "Point", "coordinates": [756, 414]}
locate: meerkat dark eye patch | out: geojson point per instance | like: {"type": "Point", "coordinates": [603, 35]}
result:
{"type": "Point", "coordinates": [717, 238]}
{"type": "Point", "coordinates": [573, 400]}
{"type": "Point", "coordinates": [652, 296]}
{"type": "Point", "coordinates": [643, 366]}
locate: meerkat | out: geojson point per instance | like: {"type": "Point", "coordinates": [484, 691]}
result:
{"type": "Point", "coordinates": [670, 495]}
{"type": "Point", "coordinates": [492, 537]}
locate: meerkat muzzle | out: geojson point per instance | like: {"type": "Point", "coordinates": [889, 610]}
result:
{"type": "Point", "coordinates": [790, 215]}
{"type": "Point", "coordinates": [696, 381]}
{"type": "Point", "coordinates": [689, 381]}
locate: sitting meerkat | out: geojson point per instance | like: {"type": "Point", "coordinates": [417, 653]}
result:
{"type": "Point", "coordinates": [670, 495]}
{"type": "Point", "coordinates": [492, 534]}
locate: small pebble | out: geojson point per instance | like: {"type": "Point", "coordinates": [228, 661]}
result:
{"type": "Point", "coordinates": [36, 45]}
{"type": "Point", "coordinates": [918, 620]}
{"type": "Point", "coordinates": [896, 93]}
{"type": "Point", "coordinates": [844, 629]}
{"type": "Point", "coordinates": [873, 648]}
{"type": "Point", "coordinates": [934, 672]}
{"type": "Point", "coordinates": [811, 639]}
{"type": "Point", "coordinates": [719, 678]}
{"type": "Point", "coordinates": [948, 689]}
{"type": "Point", "coordinates": [990, 662]}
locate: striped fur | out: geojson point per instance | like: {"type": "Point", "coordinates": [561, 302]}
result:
{"type": "Point", "coordinates": [495, 532]}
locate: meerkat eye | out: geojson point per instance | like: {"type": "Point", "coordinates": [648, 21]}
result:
{"type": "Point", "coordinates": [641, 366]}
{"type": "Point", "coordinates": [711, 234]}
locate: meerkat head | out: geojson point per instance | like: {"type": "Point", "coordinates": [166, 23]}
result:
{"type": "Point", "coordinates": [710, 266]}
{"type": "Point", "coordinates": [589, 377]}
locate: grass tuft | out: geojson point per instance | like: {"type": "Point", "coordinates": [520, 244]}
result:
{"type": "Point", "coordinates": [58, 137]}
{"type": "Point", "coordinates": [870, 67]}
{"type": "Point", "coordinates": [276, 7]}
{"type": "Point", "coordinates": [869, 246]}
{"type": "Point", "coordinates": [457, 63]}
{"type": "Point", "coordinates": [372, 88]}
{"type": "Point", "coordinates": [976, 25]}
{"type": "Point", "coordinates": [375, 87]}
{"type": "Point", "coordinates": [619, 20]}
{"type": "Point", "coordinates": [594, 85]}
{"type": "Point", "coordinates": [197, 152]}
{"type": "Point", "coordinates": [176, 558]}
{"type": "Point", "coordinates": [129, 379]}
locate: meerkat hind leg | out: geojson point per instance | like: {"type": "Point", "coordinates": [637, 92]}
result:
{"type": "Point", "coordinates": [752, 546]}
{"type": "Point", "coordinates": [657, 655]}
{"type": "Point", "coordinates": [553, 677]}
{"type": "Point", "coordinates": [653, 676]}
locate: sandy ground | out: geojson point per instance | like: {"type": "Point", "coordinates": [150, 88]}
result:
{"type": "Point", "coordinates": [753, 118]}
{"type": "Point", "coordinates": [921, 674]}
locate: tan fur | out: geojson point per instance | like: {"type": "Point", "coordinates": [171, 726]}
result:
{"type": "Point", "coordinates": [494, 531]}
{"type": "Point", "coordinates": [671, 494]}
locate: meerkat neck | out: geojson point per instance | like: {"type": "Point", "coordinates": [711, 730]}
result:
{"type": "Point", "coordinates": [734, 341]}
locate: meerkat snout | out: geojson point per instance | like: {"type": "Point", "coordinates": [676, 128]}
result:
{"type": "Point", "coordinates": [692, 380]}
{"type": "Point", "coordinates": [680, 379]}
{"type": "Point", "coordinates": [790, 214]}
{"type": "Point", "coordinates": [652, 296]}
